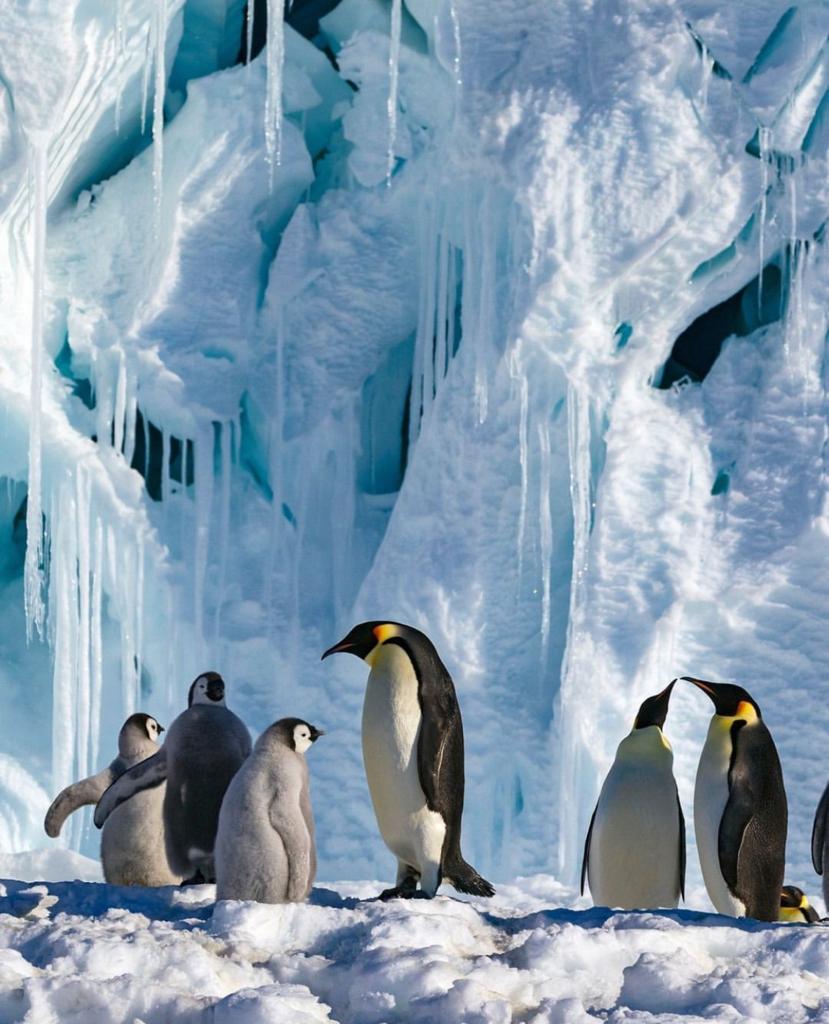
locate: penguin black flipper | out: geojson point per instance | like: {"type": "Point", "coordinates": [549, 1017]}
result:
{"type": "Point", "coordinates": [819, 831]}
{"type": "Point", "coordinates": [682, 856]}
{"type": "Point", "coordinates": [587, 848]}
{"type": "Point", "coordinates": [145, 775]}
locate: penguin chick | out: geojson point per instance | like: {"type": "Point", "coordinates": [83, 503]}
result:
{"type": "Point", "coordinates": [795, 907]}
{"type": "Point", "coordinates": [413, 756]}
{"type": "Point", "coordinates": [740, 810]}
{"type": "Point", "coordinates": [634, 854]}
{"type": "Point", "coordinates": [204, 749]}
{"type": "Point", "coordinates": [132, 843]}
{"type": "Point", "coordinates": [265, 847]}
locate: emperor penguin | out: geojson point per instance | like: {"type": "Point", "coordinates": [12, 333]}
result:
{"type": "Point", "coordinates": [132, 843]}
{"type": "Point", "coordinates": [634, 854]}
{"type": "Point", "coordinates": [795, 907]}
{"type": "Point", "coordinates": [205, 747]}
{"type": "Point", "coordinates": [413, 756]}
{"type": "Point", "coordinates": [740, 810]}
{"type": "Point", "coordinates": [265, 847]}
{"type": "Point", "coordinates": [820, 841]}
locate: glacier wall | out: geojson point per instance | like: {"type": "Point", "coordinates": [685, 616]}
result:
{"type": "Point", "coordinates": [505, 320]}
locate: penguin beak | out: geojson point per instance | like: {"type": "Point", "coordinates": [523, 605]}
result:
{"type": "Point", "coordinates": [216, 689]}
{"type": "Point", "coordinates": [160, 727]}
{"type": "Point", "coordinates": [702, 685]}
{"type": "Point", "coordinates": [342, 646]}
{"type": "Point", "coordinates": [654, 710]}
{"type": "Point", "coordinates": [316, 733]}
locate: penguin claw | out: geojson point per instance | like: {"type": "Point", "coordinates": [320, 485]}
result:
{"type": "Point", "coordinates": [402, 892]}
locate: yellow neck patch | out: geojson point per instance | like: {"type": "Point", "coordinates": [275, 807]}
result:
{"type": "Point", "coordinates": [383, 633]}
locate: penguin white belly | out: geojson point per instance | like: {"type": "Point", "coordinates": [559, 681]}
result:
{"type": "Point", "coordinates": [634, 856]}
{"type": "Point", "coordinates": [391, 725]}
{"type": "Point", "coordinates": [710, 798]}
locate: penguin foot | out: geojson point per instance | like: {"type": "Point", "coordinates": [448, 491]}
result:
{"type": "Point", "coordinates": [197, 879]}
{"type": "Point", "coordinates": [407, 890]}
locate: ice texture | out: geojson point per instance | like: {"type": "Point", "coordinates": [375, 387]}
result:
{"type": "Point", "coordinates": [554, 390]}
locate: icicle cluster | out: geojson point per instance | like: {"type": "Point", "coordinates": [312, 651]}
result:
{"type": "Point", "coordinates": [275, 57]}
{"type": "Point", "coordinates": [394, 74]}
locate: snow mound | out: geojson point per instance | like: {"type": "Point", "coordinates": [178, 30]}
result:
{"type": "Point", "coordinates": [112, 955]}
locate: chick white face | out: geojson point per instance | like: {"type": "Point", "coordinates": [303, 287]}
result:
{"type": "Point", "coordinates": [304, 736]}
{"type": "Point", "coordinates": [154, 730]}
{"type": "Point", "coordinates": [208, 690]}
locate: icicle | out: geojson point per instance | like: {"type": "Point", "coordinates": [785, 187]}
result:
{"type": "Point", "coordinates": [120, 47]}
{"type": "Point", "coordinates": [145, 78]}
{"type": "Point", "coordinates": [226, 468]}
{"type": "Point", "coordinates": [96, 646]}
{"type": "Point", "coordinates": [456, 36]}
{"type": "Point", "coordinates": [125, 597]}
{"type": "Point", "coordinates": [139, 615]}
{"type": "Point", "coordinates": [452, 300]}
{"type": "Point", "coordinates": [160, 36]}
{"type": "Point", "coordinates": [394, 72]}
{"type": "Point", "coordinates": [166, 490]}
{"type": "Point", "coordinates": [426, 318]}
{"type": "Point", "coordinates": [33, 575]}
{"type": "Point", "coordinates": [523, 444]}
{"type": "Point", "coordinates": [82, 670]}
{"type": "Point", "coordinates": [250, 10]}
{"type": "Point", "coordinates": [273, 93]}
{"type": "Point", "coordinates": [578, 438]}
{"type": "Point", "coordinates": [120, 413]}
{"type": "Point", "coordinates": [707, 68]}
{"type": "Point", "coordinates": [764, 141]}
{"type": "Point", "coordinates": [486, 307]}
{"type": "Point", "coordinates": [442, 311]}
{"type": "Point", "coordinates": [204, 505]}
{"type": "Point", "coordinates": [545, 529]}
{"type": "Point", "coordinates": [132, 416]}
{"type": "Point", "coordinates": [65, 707]}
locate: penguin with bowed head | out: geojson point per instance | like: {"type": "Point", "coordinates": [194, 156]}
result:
{"type": "Point", "coordinates": [205, 747]}
{"type": "Point", "coordinates": [795, 907]}
{"type": "Point", "coordinates": [265, 848]}
{"type": "Point", "coordinates": [413, 756]}
{"type": "Point", "coordinates": [634, 854]}
{"type": "Point", "coordinates": [132, 843]}
{"type": "Point", "coordinates": [740, 809]}
{"type": "Point", "coordinates": [820, 841]}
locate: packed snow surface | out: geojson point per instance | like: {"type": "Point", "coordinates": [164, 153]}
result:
{"type": "Point", "coordinates": [104, 955]}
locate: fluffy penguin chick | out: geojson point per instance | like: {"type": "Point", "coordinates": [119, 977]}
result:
{"type": "Point", "coordinates": [634, 855]}
{"type": "Point", "coordinates": [795, 907]}
{"type": "Point", "coordinates": [265, 844]}
{"type": "Point", "coordinates": [740, 810]}
{"type": "Point", "coordinates": [413, 756]}
{"type": "Point", "coordinates": [132, 843]}
{"type": "Point", "coordinates": [205, 747]}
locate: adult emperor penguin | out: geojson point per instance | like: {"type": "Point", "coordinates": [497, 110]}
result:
{"type": "Point", "coordinates": [634, 854]}
{"type": "Point", "coordinates": [413, 755]}
{"type": "Point", "coordinates": [132, 843]}
{"type": "Point", "coordinates": [204, 749]}
{"type": "Point", "coordinates": [740, 811]}
{"type": "Point", "coordinates": [820, 841]}
{"type": "Point", "coordinates": [795, 907]}
{"type": "Point", "coordinates": [265, 847]}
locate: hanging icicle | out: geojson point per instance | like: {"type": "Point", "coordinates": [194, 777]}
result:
{"type": "Point", "coordinates": [33, 571]}
{"type": "Point", "coordinates": [160, 39]}
{"type": "Point", "coordinates": [273, 90]}
{"type": "Point", "coordinates": [250, 10]}
{"type": "Point", "coordinates": [765, 142]}
{"type": "Point", "coordinates": [394, 72]}
{"type": "Point", "coordinates": [120, 49]}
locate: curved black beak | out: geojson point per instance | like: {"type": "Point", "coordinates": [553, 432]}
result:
{"type": "Point", "coordinates": [316, 733]}
{"type": "Point", "coordinates": [160, 726]}
{"type": "Point", "coordinates": [342, 646]}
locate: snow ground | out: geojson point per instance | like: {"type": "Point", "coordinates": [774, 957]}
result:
{"type": "Point", "coordinates": [532, 954]}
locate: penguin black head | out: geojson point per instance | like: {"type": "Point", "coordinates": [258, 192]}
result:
{"type": "Point", "coordinates": [297, 734]}
{"type": "Point", "coordinates": [794, 905]}
{"type": "Point", "coordinates": [136, 731]}
{"type": "Point", "coordinates": [208, 688]}
{"type": "Point", "coordinates": [364, 639]}
{"type": "Point", "coordinates": [654, 710]}
{"type": "Point", "coordinates": [729, 701]}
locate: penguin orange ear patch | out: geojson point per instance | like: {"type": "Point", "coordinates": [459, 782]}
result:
{"type": "Point", "coordinates": [384, 632]}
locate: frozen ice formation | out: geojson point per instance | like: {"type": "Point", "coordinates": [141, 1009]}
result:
{"type": "Point", "coordinates": [509, 321]}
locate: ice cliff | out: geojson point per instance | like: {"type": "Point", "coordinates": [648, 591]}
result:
{"type": "Point", "coordinates": [504, 319]}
